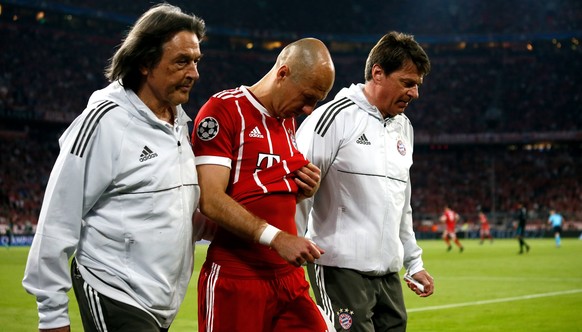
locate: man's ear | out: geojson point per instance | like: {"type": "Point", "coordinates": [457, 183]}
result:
{"type": "Point", "coordinates": [144, 70]}
{"type": "Point", "coordinates": [377, 73]}
{"type": "Point", "coordinates": [283, 72]}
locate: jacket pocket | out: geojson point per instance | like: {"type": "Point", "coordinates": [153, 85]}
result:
{"type": "Point", "coordinates": [129, 242]}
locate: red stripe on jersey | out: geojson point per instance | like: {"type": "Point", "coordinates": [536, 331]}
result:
{"type": "Point", "coordinates": [269, 179]}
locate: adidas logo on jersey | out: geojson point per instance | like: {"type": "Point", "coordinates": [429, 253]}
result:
{"type": "Point", "coordinates": [256, 133]}
{"type": "Point", "coordinates": [147, 154]}
{"type": "Point", "coordinates": [363, 140]}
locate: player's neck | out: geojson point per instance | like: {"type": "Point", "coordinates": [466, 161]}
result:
{"type": "Point", "coordinates": [262, 95]}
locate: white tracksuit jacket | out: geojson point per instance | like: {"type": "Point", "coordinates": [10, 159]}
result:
{"type": "Point", "coordinates": [120, 197]}
{"type": "Point", "coordinates": [361, 214]}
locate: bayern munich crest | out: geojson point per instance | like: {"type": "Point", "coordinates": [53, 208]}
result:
{"type": "Point", "coordinates": [401, 147]}
{"type": "Point", "coordinates": [345, 318]}
{"type": "Point", "coordinates": [207, 129]}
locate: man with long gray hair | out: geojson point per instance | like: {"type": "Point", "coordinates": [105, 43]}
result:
{"type": "Point", "coordinates": [123, 190]}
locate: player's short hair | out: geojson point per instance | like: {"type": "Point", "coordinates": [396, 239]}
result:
{"type": "Point", "coordinates": [143, 45]}
{"type": "Point", "coordinates": [392, 50]}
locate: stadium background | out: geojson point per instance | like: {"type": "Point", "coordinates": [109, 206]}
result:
{"type": "Point", "coordinates": [499, 119]}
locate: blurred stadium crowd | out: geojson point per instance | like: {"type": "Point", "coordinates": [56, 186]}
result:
{"type": "Point", "coordinates": [499, 120]}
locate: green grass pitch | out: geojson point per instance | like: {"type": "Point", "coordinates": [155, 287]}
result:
{"type": "Point", "coordinates": [488, 287]}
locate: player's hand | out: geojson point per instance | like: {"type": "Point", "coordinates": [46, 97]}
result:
{"type": "Point", "coordinates": [426, 280]}
{"type": "Point", "coordinates": [308, 179]}
{"type": "Point", "coordinates": [296, 250]}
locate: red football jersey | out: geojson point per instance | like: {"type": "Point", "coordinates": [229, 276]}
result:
{"type": "Point", "coordinates": [484, 222]}
{"type": "Point", "coordinates": [234, 130]}
{"type": "Point", "coordinates": [450, 217]}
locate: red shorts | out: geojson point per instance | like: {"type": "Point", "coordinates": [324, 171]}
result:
{"type": "Point", "coordinates": [227, 303]}
{"type": "Point", "coordinates": [451, 234]}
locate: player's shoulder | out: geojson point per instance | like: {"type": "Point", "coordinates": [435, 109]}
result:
{"type": "Point", "coordinates": [220, 104]}
{"type": "Point", "coordinates": [229, 94]}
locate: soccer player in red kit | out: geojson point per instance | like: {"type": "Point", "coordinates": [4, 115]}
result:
{"type": "Point", "coordinates": [485, 230]}
{"type": "Point", "coordinates": [251, 177]}
{"type": "Point", "coordinates": [450, 218]}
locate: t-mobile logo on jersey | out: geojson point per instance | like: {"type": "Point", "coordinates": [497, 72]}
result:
{"type": "Point", "coordinates": [267, 160]}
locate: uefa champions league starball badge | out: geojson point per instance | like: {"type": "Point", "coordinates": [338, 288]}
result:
{"type": "Point", "coordinates": [345, 318]}
{"type": "Point", "coordinates": [401, 147]}
{"type": "Point", "coordinates": [207, 129]}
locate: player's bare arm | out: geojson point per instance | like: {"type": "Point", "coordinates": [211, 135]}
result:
{"type": "Point", "coordinates": [229, 214]}
{"type": "Point", "coordinates": [308, 180]}
{"type": "Point", "coordinates": [221, 208]}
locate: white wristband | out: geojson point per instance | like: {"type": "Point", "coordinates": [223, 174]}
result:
{"type": "Point", "coordinates": [268, 235]}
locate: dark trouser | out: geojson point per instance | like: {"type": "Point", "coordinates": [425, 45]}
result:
{"type": "Point", "coordinates": [100, 313]}
{"type": "Point", "coordinates": [520, 233]}
{"type": "Point", "coordinates": [359, 303]}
